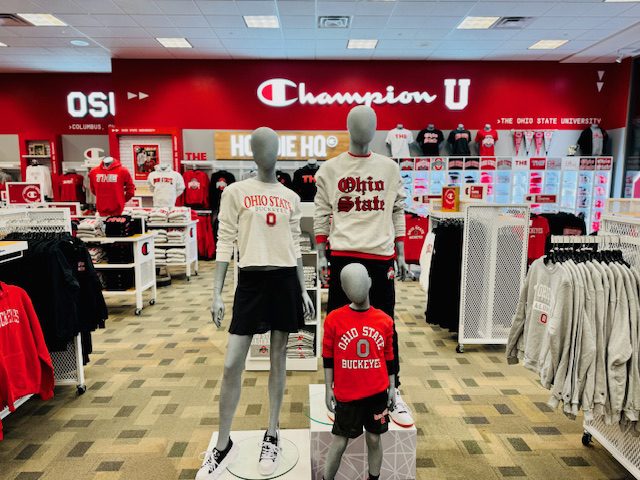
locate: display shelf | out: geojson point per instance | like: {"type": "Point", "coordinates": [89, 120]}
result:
{"type": "Point", "coordinates": [143, 265]}
{"type": "Point", "coordinates": [37, 156]}
{"type": "Point", "coordinates": [199, 163]}
{"type": "Point", "coordinates": [190, 245]}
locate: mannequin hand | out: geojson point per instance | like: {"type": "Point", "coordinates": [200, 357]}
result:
{"type": "Point", "coordinates": [391, 400]}
{"type": "Point", "coordinates": [217, 310]}
{"type": "Point", "coordinates": [307, 306]}
{"type": "Point", "coordinates": [330, 400]}
{"type": "Point", "coordinates": [323, 270]}
{"type": "Point", "coordinates": [403, 269]}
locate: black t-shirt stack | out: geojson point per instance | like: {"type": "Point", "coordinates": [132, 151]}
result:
{"type": "Point", "coordinates": [304, 182]}
{"type": "Point", "coordinates": [219, 181]}
{"type": "Point", "coordinates": [284, 178]}
{"type": "Point", "coordinates": [459, 142]}
{"type": "Point", "coordinates": [430, 140]}
{"type": "Point", "coordinates": [119, 226]}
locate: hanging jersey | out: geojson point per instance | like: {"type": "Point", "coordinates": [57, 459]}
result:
{"type": "Point", "coordinates": [399, 139]}
{"type": "Point", "coordinates": [429, 141]}
{"type": "Point", "coordinates": [219, 181]}
{"type": "Point", "coordinates": [264, 220]}
{"type": "Point", "coordinates": [167, 186]}
{"type": "Point", "coordinates": [196, 193]}
{"type": "Point", "coordinates": [459, 142]}
{"type": "Point", "coordinates": [304, 182]}
{"type": "Point", "coordinates": [284, 178]}
{"type": "Point", "coordinates": [42, 175]}
{"type": "Point", "coordinates": [486, 139]}
{"type": "Point", "coordinates": [539, 232]}
{"type": "Point", "coordinates": [358, 346]}
{"type": "Point", "coordinates": [71, 188]}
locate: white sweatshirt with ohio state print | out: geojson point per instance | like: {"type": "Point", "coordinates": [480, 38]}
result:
{"type": "Point", "coordinates": [264, 220]}
{"type": "Point", "coordinates": [166, 186]}
{"type": "Point", "coordinates": [360, 205]}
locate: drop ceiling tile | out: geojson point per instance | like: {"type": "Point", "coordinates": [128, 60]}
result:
{"type": "Point", "coordinates": [166, 32]}
{"type": "Point", "coordinates": [369, 21]}
{"type": "Point", "coordinates": [22, 6]}
{"type": "Point", "coordinates": [124, 52]}
{"type": "Point", "coordinates": [226, 21]}
{"type": "Point", "coordinates": [129, 42]}
{"type": "Point", "coordinates": [432, 34]}
{"type": "Point", "coordinates": [116, 20]}
{"type": "Point", "coordinates": [423, 22]}
{"type": "Point", "coordinates": [6, 32]}
{"type": "Point", "coordinates": [246, 33]}
{"type": "Point", "coordinates": [298, 21]}
{"type": "Point", "coordinates": [435, 9]}
{"type": "Point", "coordinates": [251, 7]}
{"type": "Point", "coordinates": [178, 7]}
{"type": "Point", "coordinates": [402, 54]}
{"type": "Point", "coordinates": [80, 20]}
{"type": "Point", "coordinates": [396, 33]}
{"type": "Point", "coordinates": [246, 43]}
{"type": "Point", "coordinates": [632, 12]}
{"type": "Point", "coordinates": [611, 24]}
{"type": "Point", "coordinates": [63, 51]}
{"type": "Point", "coordinates": [193, 33]}
{"type": "Point", "coordinates": [199, 53]}
{"type": "Point", "coordinates": [189, 21]}
{"type": "Point", "coordinates": [608, 9]}
{"type": "Point", "coordinates": [272, 54]}
{"type": "Point", "coordinates": [138, 7]}
{"type": "Point", "coordinates": [39, 32]}
{"type": "Point", "coordinates": [97, 6]}
{"type": "Point", "coordinates": [59, 6]}
{"type": "Point", "coordinates": [335, 44]}
{"type": "Point", "coordinates": [152, 20]}
{"type": "Point", "coordinates": [299, 33]}
{"type": "Point", "coordinates": [531, 34]}
{"type": "Point", "coordinates": [215, 7]}
{"type": "Point", "coordinates": [97, 32]}
{"type": "Point", "coordinates": [23, 51]}
{"type": "Point", "coordinates": [322, 34]}
{"type": "Point", "coordinates": [375, 8]}
{"type": "Point", "coordinates": [208, 43]}
{"type": "Point", "coordinates": [296, 7]}
{"type": "Point", "coordinates": [36, 42]}
{"type": "Point", "coordinates": [511, 9]}
{"type": "Point", "coordinates": [568, 9]}
{"type": "Point", "coordinates": [336, 8]}
{"type": "Point", "coordinates": [550, 23]}
{"type": "Point", "coordinates": [473, 35]}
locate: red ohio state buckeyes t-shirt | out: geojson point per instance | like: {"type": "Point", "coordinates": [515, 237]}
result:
{"type": "Point", "coordinates": [359, 343]}
{"type": "Point", "coordinates": [538, 233]}
{"type": "Point", "coordinates": [486, 140]}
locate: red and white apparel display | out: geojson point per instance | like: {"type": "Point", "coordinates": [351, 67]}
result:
{"type": "Point", "coordinates": [358, 345]}
{"type": "Point", "coordinates": [166, 186]}
{"type": "Point", "coordinates": [25, 362]}
{"type": "Point", "coordinates": [113, 187]}
{"type": "Point", "coordinates": [196, 193]}
{"type": "Point", "coordinates": [40, 174]}
{"type": "Point", "coordinates": [539, 232]}
{"type": "Point", "coordinates": [264, 219]}
{"type": "Point", "coordinates": [71, 188]}
{"type": "Point", "coordinates": [360, 215]}
{"type": "Point", "coordinates": [486, 140]}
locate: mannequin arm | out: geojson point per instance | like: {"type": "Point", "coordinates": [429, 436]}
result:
{"type": "Point", "coordinates": [403, 269]}
{"type": "Point", "coordinates": [391, 403]}
{"type": "Point", "coordinates": [217, 305]}
{"type": "Point", "coordinates": [307, 304]}
{"type": "Point", "coordinates": [329, 399]}
{"type": "Point", "coordinates": [323, 263]}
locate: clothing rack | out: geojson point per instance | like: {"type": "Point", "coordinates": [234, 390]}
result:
{"type": "Point", "coordinates": [68, 365]}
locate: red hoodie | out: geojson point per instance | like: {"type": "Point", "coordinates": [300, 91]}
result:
{"type": "Point", "coordinates": [112, 186]}
{"type": "Point", "coordinates": [25, 363]}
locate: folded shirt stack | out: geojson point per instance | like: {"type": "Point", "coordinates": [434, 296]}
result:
{"type": "Point", "coordinates": [176, 255]}
{"type": "Point", "coordinates": [175, 236]}
{"type": "Point", "coordinates": [159, 215]}
{"type": "Point", "coordinates": [119, 226]}
{"type": "Point", "coordinates": [119, 253]}
{"type": "Point", "coordinates": [136, 212]}
{"type": "Point", "coordinates": [118, 280]}
{"type": "Point", "coordinates": [301, 345]}
{"type": "Point", "coordinates": [160, 256]}
{"type": "Point", "coordinates": [90, 228]}
{"type": "Point", "coordinates": [161, 235]}
{"type": "Point", "coordinates": [179, 215]}
{"type": "Point", "coordinates": [98, 255]}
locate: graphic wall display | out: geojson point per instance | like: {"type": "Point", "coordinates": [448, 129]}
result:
{"type": "Point", "coordinates": [145, 159]}
{"type": "Point", "coordinates": [23, 192]}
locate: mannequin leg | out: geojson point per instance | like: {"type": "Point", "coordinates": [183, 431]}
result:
{"type": "Point", "coordinates": [277, 377]}
{"type": "Point", "coordinates": [374, 452]}
{"type": "Point", "coordinates": [334, 456]}
{"type": "Point", "coordinates": [231, 385]}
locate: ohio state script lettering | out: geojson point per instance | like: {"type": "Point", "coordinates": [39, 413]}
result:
{"type": "Point", "coordinates": [346, 203]}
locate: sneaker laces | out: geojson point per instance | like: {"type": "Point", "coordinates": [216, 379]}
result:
{"type": "Point", "coordinates": [269, 449]}
{"type": "Point", "coordinates": [401, 406]}
{"type": "Point", "coordinates": [211, 460]}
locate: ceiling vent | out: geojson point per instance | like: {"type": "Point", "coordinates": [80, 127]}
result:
{"type": "Point", "coordinates": [334, 22]}
{"type": "Point", "coordinates": [512, 23]}
{"type": "Point", "coordinates": [11, 20]}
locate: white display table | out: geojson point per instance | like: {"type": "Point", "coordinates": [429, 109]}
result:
{"type": "Point", "coordinates": [399, 445]}
{"type": "Point", "coordinates": [290, 439]}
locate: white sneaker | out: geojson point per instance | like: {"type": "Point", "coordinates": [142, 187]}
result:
{"type": "Point", "coordinates": [269, 454]}
{"type": "Point", "coordinates": [400, 414]}
{"type": "Point", "coordinates": [215, 464]}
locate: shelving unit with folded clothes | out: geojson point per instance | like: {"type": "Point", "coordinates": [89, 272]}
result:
{"type": "Point", "coordinates": [176, 244]}
{"type": "Point", "coordinates": [126, 265]}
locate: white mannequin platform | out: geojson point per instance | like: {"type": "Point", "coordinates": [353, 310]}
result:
{"type": "Point", "coordinates": [399, 445]}
{"type": "Point", "coordinates": [249, 442]}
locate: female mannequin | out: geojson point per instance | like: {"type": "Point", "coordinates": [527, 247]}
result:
{"type": "Point", "coordinates": [264, 217]}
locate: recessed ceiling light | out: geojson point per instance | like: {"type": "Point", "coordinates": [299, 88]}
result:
{"type": "Point", "coordinates": [363, 43]}
{"type": "Point", "coordinates": [547, 44]}
{"type": "Point", "coordinates": [42, 19]}
{"type": "Point", "coordinates": [261, 21]}
{"type": "Point", "coordinates": [3, 45]}
{"type": "Point", "coordinates": [79, 43]}
{"type": "Point", "coordinates": [477, 23]}
{"type": "Point", "coordinates": [174, 42]}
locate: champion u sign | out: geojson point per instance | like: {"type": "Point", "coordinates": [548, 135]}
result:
{"type": "Point", "coordinates": [282, 92]}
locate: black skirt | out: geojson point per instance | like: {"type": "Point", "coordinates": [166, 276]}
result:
{"type": "Point", "coordinates": [267, 300]}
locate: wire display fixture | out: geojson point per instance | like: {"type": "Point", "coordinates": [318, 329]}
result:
{"type": "Point", "coordinates": [67, 365]}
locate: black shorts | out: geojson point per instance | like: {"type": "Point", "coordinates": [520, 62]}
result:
{"type": "Point", "coordinates": [267, 300]}
{"type": "Point", "coordinates": [370, 413]}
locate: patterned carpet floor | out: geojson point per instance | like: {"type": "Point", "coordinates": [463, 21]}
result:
{"type": "Point", "coordinates": [150, 407]}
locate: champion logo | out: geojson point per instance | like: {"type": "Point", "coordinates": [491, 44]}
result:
{"type": "Point", "coordinates": [282, 92]}
{"type": "Point", "coordinates": [31, 193]}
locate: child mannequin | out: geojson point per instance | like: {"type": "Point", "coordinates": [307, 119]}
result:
{"type": "Point", "coordinates": [357, 351]}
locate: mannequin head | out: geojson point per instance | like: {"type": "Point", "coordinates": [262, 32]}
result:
{"type": "Point", "coordinates": [431, 126]}
{"type": "Point", "coordinates": [356, 284]}
{"type": "Point", "coordinates": [361, 123]}
{"type": "Point", "coordinates": [487, 126]}
{"type": "Point", "coordinates": [460, 126]}
{"type": "Point", "coordinates": [107, 161]}
{"type": "Point", "coordinates": [264, 145]}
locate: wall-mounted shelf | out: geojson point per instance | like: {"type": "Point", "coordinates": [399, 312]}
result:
{"type": "Point", "coordinates": [37, 156]}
